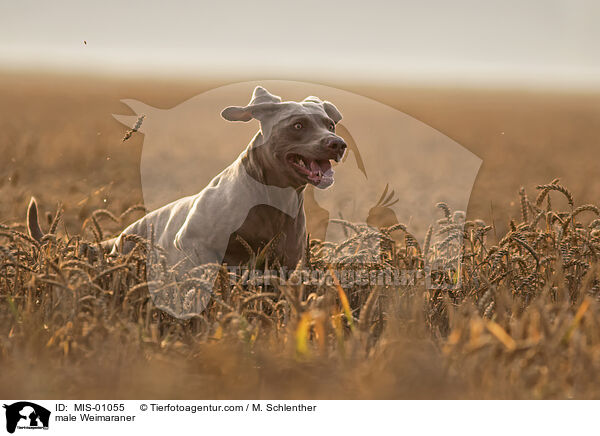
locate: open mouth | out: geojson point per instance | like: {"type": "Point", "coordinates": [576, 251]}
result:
{"type": "Point", "coordinates": [316, 171]}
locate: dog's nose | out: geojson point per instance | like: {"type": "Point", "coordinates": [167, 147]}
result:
{"type": "Point", "coordinates": [337, 145]}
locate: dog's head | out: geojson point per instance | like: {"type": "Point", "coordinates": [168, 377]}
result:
{"type": "Point", "coordinates": [299, 138]}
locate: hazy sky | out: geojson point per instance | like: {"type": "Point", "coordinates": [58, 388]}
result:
{"type": "Point", "coordinates": [524, 42]}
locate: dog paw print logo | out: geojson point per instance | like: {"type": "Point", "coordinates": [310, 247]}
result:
{"type": "Point", "coordinates": [25, 415]}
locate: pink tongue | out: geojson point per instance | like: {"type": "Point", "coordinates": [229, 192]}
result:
{"type": "Point", "coordinates": [315, 167]}
{"type": "Point", "coordinates": [325, 166]}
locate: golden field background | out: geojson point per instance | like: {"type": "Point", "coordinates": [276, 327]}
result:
{"type": "Point", "coordinates": [58, 133]}
{"type": "Point", "coordinates": [531, 332]}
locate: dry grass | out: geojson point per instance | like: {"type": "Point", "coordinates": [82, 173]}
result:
{"type": "Point", "coordinates": [523, 323]}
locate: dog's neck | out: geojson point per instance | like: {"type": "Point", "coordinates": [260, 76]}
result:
{"type": "Point", "coordinates": [256, 163]}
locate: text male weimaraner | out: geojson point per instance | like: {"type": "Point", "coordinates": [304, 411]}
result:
{"type": "Point", "coordinates": [258, 197]}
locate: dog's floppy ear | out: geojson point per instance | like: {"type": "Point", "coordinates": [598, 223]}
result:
{"type": "Point", "coordinates": [330, 109]}
{"type": "Point", "coordinates": [261, 95]}
{"type": "Point", "coordinates": [258, 111]}
{"type": "Point", "coordinates": [261, 103]}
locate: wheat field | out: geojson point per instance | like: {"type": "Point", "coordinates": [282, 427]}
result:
{"type": "Point", "coordinates": [523, 324]}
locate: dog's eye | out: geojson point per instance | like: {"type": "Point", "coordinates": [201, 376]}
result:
{"type": "Point", "coordinates": [332, 127]}
{"type": "Point", "coordinates": [298, 126]}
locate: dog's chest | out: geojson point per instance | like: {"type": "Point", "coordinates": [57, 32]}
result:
{"type": "Point", "coordinates": [267, 225]}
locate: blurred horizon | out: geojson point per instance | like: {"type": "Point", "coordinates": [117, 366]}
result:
{"type": "Point", "coordinates": [548, 45]}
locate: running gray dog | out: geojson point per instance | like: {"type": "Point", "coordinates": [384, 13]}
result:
{"type": "Point", "coordinates": [259, 197]}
